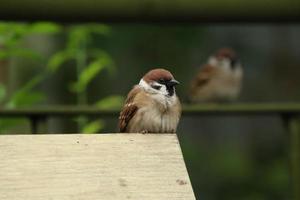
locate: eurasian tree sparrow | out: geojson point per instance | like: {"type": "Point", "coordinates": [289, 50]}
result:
{"type": "Point", "coordinates": [219, 80]}
{"type": "Point", "coordinates": [152, 106]}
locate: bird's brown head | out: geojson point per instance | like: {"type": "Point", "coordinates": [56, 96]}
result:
{"type": "Point", "coordinates": [227, 54]}
{"type": "Point", "coordinates": [160, 80]}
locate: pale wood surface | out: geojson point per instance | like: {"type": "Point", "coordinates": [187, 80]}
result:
{"type": "Point", "coordinates": [102, 166]}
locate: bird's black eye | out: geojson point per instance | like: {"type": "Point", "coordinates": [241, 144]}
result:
{"type": "Point", "coordinates": [233, 62]}
{"type": "Point", "coordinates": [157, 87]}
{"type": "Point", "coordinates": [161, 81]}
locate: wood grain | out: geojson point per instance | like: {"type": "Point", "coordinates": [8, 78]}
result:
{"type": "Point", "coordinates": [102, 166]}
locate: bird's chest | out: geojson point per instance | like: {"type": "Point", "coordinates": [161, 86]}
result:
{"type": "Point", "coordinates": [227, 85]}
{"type": "Point", "coordinates": [156, 121]}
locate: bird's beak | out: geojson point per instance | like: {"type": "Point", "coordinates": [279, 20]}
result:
{"type": "Point", "coordinates": [173, 82]}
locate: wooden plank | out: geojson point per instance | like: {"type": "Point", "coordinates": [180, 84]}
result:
{"type": "Point", "coordinates": [102, 166]}
{"type": "Point", "coordinates": [239, 108]}
{"type": "Point", "coordinates": [152, 10]}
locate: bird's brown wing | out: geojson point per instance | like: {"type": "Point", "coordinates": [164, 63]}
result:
{"type": "Point", "coordinates": [129, 109]}
{"type": "Point", "coordinates": [203, 77]}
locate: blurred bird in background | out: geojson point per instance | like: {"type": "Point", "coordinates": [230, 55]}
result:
{"type": "Point", "coordinates": [152, 106]}
{"type": "Point", "coordinates": [219, 80]}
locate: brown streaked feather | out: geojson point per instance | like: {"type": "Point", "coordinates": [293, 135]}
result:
{"type": "Point", "coordinates": [128, 110]}
{"type": "Point", "coordinates": [203, 77]}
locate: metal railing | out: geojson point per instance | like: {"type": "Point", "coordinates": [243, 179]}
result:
{"type": "Point", "coordinates": [288, 112]}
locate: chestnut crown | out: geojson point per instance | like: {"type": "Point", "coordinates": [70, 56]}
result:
{"type": "Point", "coordinates": [227, 53]}
{"type": "Point", "coordinates": [161, 81]}
{"type": "Point", "coordinates": [158, 75]}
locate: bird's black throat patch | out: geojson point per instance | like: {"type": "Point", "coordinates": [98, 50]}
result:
{"type": "Point", "coordinates": [170, 90]}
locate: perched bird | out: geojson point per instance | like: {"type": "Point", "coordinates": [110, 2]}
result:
{"type": "Point", "coordinates": [152, 106]}
{"type": "Point", "coordinates": [219, 80]}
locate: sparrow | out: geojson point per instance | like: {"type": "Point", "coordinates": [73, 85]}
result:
{"type": "Point", "coordinates": [152, 106]}
{"type": "Point", "coordinates": [219, 80]}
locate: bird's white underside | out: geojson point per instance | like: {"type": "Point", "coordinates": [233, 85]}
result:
{"type": "Point", "coordinates": [153, 121]}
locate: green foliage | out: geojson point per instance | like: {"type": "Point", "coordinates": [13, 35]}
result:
{"type": "Point", "coordinates": [9, 123]}
{"type": "Point", "coordinates": [26, 95]}
{"type": "Point", "coordinates": [110, 102]}
{"type": "Point", "coordinates": [13, 34]}
{"type": "Point", "coordinates": [89, 61]}
{"type": "Point", "coordinates": [2, 92]}
{"type": "Point", "coordinates": [93, 127]}
{"type": "Point", "coordinates": [58, 59]}
{"type": "Point", "coordinates": [44, 28]}
{"type": "Point", "coordinates": [89, 73]}
{"type": "Point", "coordinates": [19, 52]}
{"type": "Point", "coordinates": [106, 59]}
{"type": "Point", "coordinates": [79, 40]}
{"type": "Point", "coordinates": [100, 29]}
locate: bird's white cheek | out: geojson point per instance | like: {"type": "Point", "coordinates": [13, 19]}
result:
{"type": "Point", "coordinates": [213, 61]}
{"type": "Point", "coordinates": [163, 90]}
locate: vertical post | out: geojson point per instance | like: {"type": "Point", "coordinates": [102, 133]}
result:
{"type": "Point", "coordinates": [34, 124]}
{"type": "Point", "coordinates": [294, 130]}
{"type": "Point", "coordinates": [43, 124]}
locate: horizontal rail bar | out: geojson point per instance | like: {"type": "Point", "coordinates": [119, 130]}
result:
{"type": "Point", "coordinates": [245, 109]}
{"type": "Point", "coordinates": [257, 109]}
{"type": "Point", "coordinates": [151, 10]}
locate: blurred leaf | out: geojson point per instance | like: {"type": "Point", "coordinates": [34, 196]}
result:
{"type": "Point", "coordinates": [101, 29]}
{"type": "Point", "coordinates": [19, 52]}
{"type": "Point", "coordinates": [19, 28]}
{"type": "Point", "coordinates": [7, 124]}
{"type": "Point", "coordinates": [3, 27]}
{"type": "Point", "coordinates": [25, 96]}
{"type": "Point", "coordinates": [25, 99]}
{"type": "Point", "coordinates": [12, 27]}
{"type": "Point", "coordinates": [97, 53]}
{"type": "Point", "coordinates": [93, 127]}
{"type": "Point", "coordinates": [58, 59]}
{"type": "Point", "coordinates": [89, 73]}
{"type": "Point", "coordinates": [80, 118]}
{"type": "Point", "coordinates": [2, 92]}
{"type": "Point", "coordinates": [33, 82]}
{"type": "Point", "coordinates": [12, 33]}
{"type": "Point", "coordinates": [114, 101]}
{"type": "Point", "coordinates": [81, 34]}
{"type": "Point", "coordinates": [10, 40]}
{"type": "Point", "coordinates": [77, 36]}
{"type": "Point", "coordinates": [45, 27]}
